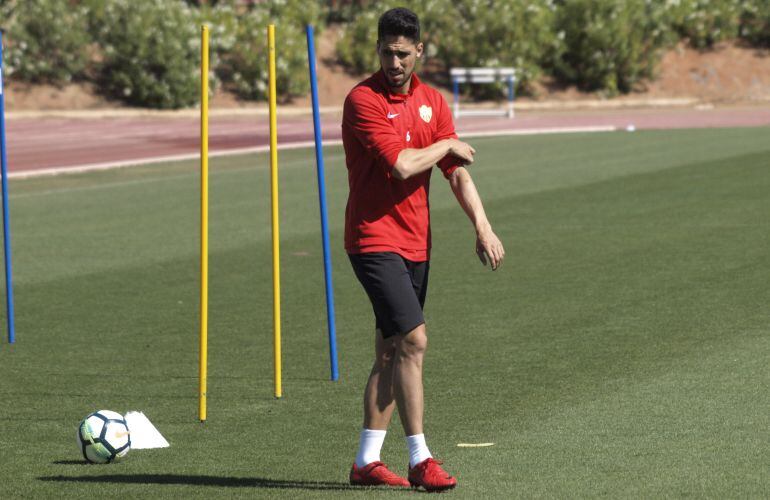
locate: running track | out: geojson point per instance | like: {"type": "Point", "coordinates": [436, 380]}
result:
{"type": "Point", "coordinates": [51, 144]}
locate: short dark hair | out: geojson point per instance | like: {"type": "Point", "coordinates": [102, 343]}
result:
{"type": "Point", "coordinates": [399, 22]}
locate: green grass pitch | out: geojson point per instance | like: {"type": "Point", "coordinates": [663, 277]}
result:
{"type": "Point", "coordinates": [621, 351]}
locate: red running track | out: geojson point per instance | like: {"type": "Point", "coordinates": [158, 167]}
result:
{"type": "Point", "coordinates": [53, 143]}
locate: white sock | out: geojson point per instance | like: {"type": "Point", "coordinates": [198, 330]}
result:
{"type": "Point", "coordinates": [369, 447]}
{"type": "Point", "coordinates": [418, 450]}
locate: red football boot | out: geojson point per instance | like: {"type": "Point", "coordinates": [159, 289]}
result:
{"type": "Point", "coordinates": [376, 474]}
{"type": "Point", "coordinates": [431, 476]}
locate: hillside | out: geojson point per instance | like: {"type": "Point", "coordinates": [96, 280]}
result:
{"type": "Point", "coordinates": [728, 74]}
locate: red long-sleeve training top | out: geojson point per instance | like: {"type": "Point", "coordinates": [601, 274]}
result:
{"type": "Point", "coordinates": [385, 214]}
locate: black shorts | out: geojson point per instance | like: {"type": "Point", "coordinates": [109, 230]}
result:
{"type": "Point", "coordinates": [396, 287]}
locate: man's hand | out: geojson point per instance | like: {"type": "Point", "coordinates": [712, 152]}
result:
{"type": "Point", "coordinates": [462, 150]}
{"type": "Point", "coordinates": [489, 247]}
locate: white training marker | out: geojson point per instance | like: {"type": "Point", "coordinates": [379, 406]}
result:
{"type": "Point", "coordinates": [474, 445]}
{"type": "Point", "coordinates": [144, 435]}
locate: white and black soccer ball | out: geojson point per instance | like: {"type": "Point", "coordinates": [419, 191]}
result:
{"type": "Point", "coordinates": [103, 437]}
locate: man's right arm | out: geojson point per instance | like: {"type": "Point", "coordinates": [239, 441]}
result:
{"type": "Point", "coordinates": [413, 161]}
{"type": "Point", "coordinates": [367, 121]}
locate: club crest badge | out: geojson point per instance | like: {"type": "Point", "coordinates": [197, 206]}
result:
{"type": "Point", "coordinates": [426, 113]}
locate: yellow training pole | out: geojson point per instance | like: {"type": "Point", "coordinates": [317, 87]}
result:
{"type": "Point", "coordinates": [204, 319]}
{"type": "Point", "coordinates": [274, 197]}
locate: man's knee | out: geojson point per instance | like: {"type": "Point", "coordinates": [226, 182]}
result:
{"type": "Point", "coordinates": [385, 349]}
{"type": "Point", "coordinates": [413, 344]}
{"type": "Point", "coordinates": [385, 357]}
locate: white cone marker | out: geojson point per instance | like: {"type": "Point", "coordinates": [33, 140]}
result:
{"type": "Point", "coordinates": [144, 435]}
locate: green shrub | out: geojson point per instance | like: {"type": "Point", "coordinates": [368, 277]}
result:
{"type": "Point", "coordinates": [355, 48]}
{"type": "Point", "coordinates": [150, 51]}
{"type": "Point", "coordinates": [704, 22]}
{"type": "Point", "coordinates": [755, 22]}
{"type": "Point", "coordinates": [244, 65]}
{"type": "Point", "coordinates": [343, 10]}
{"type": "Point", "coordinates": [516, 33]}
{"type": "Point", "coordinates": [46, 40]}
{"type": "Point", "coordinates": [222, 21]}
{"type": "Point", "coordinates": [608, 45]}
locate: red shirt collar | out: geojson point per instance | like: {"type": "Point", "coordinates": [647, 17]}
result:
{"type": "Point", "coordinates": [397, 97]}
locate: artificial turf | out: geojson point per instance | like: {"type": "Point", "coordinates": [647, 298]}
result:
{"type": "Point", "coordinates": [621, 351]}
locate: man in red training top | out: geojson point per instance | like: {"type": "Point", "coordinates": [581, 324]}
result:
{"type": "Point", "coordinates": [395, 129]}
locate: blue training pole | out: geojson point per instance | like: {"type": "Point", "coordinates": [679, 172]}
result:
{"type": "Point", "coordinates": [6, 216]}
{"type": "Point", "coordinates": [319, 158]}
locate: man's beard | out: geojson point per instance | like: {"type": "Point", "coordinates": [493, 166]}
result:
{"type": "Point", "coordinates": [398, 84]}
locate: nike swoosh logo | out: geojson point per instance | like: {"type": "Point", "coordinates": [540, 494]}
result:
{"type": "Point", "coordinates": [392, 115]}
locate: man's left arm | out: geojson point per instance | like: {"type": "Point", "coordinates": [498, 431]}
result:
{"type": "Point", "coordinates": [488, 245]}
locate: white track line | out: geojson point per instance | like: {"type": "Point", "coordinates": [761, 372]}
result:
{"type": "Point", "coordinates": [540, 131]}
{"type": "Point", "coordinates": [93, 167]}
{"type": "Point", "coordinates": [151, 180]}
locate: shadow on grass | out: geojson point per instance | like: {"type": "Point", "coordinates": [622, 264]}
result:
{"type": "Point", "coordinates": [189, 480]}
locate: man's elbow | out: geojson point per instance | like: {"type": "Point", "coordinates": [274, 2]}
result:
{"type": "Point", "coordinates": [401, 170]}
{"type": "Point", "coordinates": [457, 177]}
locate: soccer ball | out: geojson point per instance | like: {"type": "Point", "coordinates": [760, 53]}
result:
{"type": "Point", "coordinates": [103, 437]}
